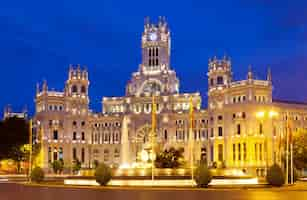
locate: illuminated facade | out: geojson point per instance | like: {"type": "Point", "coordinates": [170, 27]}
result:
{"type": "Point", "coordinates": [241, 128]}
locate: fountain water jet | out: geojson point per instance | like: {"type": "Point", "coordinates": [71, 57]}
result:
{"type": "Point", "coordinates": [125, 152]}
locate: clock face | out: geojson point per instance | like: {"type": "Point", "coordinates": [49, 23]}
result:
{"type": "Point", "coordinates": [153, 36]}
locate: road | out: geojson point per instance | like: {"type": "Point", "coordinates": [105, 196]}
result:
{"type": "Point", "coordinates": [12, 191]}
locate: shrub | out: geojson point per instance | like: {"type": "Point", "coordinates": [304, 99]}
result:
{"type": "Point", "coordinates": [275, 176]}
{"type": "Point", "coordinates": [57, 166]}
{"type": "Point", "coordinates": [76, 166]}
{"type": "Point", "coordinates": [103, 174]}
{"type": "Point", "coordinates": [170, 158]}
{"type": "Point", "coordinates": [202, 176]}
{"type": "Point", "coordinates": [37, 175]}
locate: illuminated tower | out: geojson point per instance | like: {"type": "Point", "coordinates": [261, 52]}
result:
{"type": "Point", "coordinates": [155, 45]}
{"type": "Point", "coordinates": [154, 75]}
{"type": "Point", "coordinates": [76, 90]}
{"type": "Point", "coordinates": [219, 78]}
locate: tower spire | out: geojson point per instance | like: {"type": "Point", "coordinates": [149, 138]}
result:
{"type": "Point", "coordinates": [146, 21]}
{"type": "Point", "coordinates": [269, 75]}
{"type": "Point", "coordinates": [37, 88]}
{"type": "Point", "coordinates": [45, 87]}
{"type": "Point", "coordinates": [250, 73]}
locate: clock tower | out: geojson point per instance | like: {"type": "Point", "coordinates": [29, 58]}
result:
{"type": "Point", "coordinates": [154, 75]}
{"type": "Point", "coordinates": [155, 46]}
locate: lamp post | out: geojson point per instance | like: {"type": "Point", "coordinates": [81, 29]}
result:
{"type": "Point", "coordinates": [191, 139]}
{"type": "Point", "coordinates": [30, 150]}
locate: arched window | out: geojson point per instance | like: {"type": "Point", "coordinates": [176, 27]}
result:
{"type": "Point", "coordinates": [157, 52]}
{"type": "Point", "coordinates": [83, 89]}
{"type": "Point", "coordinates": [149, 52]}
{"type": "Point", "coordinates": [157, 62]}
{"type": "Point", "coordinates": [220, 80]}
{"type": "Point", "coordinates": [74, 89]}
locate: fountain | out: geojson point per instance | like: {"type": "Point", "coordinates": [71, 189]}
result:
{"type": "Point", "coordinates": [125, 152]}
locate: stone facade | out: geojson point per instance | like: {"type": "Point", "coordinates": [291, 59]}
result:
{"type": "Point", "coordinates": [241, 128]}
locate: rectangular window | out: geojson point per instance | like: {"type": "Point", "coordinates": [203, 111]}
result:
{"type": "Point", "coordinates": [260, 152]}
{"type": "Point", "coordinates": [74, 136]}
{"type": "Point", "coordinates": [83, 136]}
{"type": "Point", "coordinates": [211, 153]}
{"type": "Point", "coordinates": [220, 152]}
{"type": "Point", "coordinates": [203, 134]}
{"type": "Point", "coordinates": [234, 152]}
{"type": "Point", "coordinates": [212, 132]}
{"type": "Point", "coordinates": [220, 131]}
{"type": "Point", "coordinates": [55, 134]}
{"type": "Point", "coordinates": [74, 153]}
{"type": "Point", "coordinates": [49, 154]}
{"type": "Point", "coordinates": [256, 151]}
{"type": "Point", "coordinates": [220, 80]}
{"type": "Point", "coordinates": [239, 151]}
{"type": "Point", "coordinates": [260, 128]}
{"type": "Point", "coordinates": [61, 153]}
{"type": "Point", "coordinates": [82, 155]}
{"type": "Point", "coordinates": [239, 129]}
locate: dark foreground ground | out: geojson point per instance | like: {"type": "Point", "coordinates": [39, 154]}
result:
{"type": "Point", "coordinates": [13, 191]}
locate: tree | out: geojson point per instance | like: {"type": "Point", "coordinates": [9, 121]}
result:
{"type": "Point", "coordinates": [172, 158]}
{"type": "Point", "coordinates": [300, 149]}
{"type": "Point", "coordinates": [19, 154]}
{"type": "Point", "coordinates": [14, 134]}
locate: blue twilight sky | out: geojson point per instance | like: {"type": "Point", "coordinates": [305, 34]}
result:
{"type": "Point", "coordinates": [39, 39]}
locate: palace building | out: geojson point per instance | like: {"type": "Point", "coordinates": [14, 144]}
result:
{"type": "Point", "coordinates": [241, 127]}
